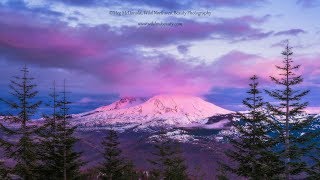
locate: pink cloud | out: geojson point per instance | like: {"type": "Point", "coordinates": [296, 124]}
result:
{"type": "Point", "coordinates": [168, 4]}
{"type": "Point", "coordinates": [111, 56]}
{"type": "Point", "coordinates": [235, 68]}
{"type": "Point", "coordinates": [233, 3]}
{"type": "Point", "coordinates": [313, 110]}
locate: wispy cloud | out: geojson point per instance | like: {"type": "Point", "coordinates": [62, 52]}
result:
{"type": "Point", "coordinates": [308, 3]}
{"type": "Point", "coordinates": [112, 54]}
{"type": "Point", "coordinates": [168, 4]}
{"type": "Point", "coordinates": [291, 32]}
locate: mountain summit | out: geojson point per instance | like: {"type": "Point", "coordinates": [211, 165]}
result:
{"type": "Point", "coordinates": [173, 110]}
{"type": "Point", "coordinates": [123, 103]}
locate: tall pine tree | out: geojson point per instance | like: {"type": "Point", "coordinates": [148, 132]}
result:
{"type": "Point", "coordinates": [168, 164]}
{"type": "Point", "coordinates": [114, 166]}
{"type": "Point", "coordinates": [4, 173]}
{"type": "Point", "coordinates": [50, 166]}
{"type": "Point", "coordinates": [24, 150]}
{"type": "Point", "coordinates": [290, 132]}
{"type": "Point", "coordinates": [68, 159]}
{"type": "Point", "coordinates": [314, 170]}
{"type": "Point", "coordinates": [59, 160]}
{"type": "Point", "coordinates": [4, 170]}
{"type": "Point", "coordinates": [252, 149]}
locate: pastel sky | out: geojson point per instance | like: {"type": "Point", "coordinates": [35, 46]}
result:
{"type": "Point", "coordinates": [104, 57]}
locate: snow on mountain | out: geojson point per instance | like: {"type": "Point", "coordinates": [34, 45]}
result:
{"type": "Point", "coordinates": [172, 110]}
{"type": "Point", "coordinates": [123, 103]}
{"type": "Point", "coordinates": [177, 134]}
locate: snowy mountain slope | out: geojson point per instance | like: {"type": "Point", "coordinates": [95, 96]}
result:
{"type": "Point", "coordinates": [168, 110]}
{"type": "Point", "coordinates": [123, 103]}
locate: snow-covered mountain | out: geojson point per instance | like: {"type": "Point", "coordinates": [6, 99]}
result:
{"type": "Point", "coordinates": [123, 103]}
{"type": "Point", "coordinates": [168, 110]}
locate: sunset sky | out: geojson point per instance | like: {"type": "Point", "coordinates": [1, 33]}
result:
{"type": "Point", "coordinates": [104, 56]}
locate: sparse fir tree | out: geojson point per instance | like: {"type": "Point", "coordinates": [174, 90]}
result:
{"type": "Point", "coordinates": [24, 150]}
{"type": "Point", "coordinates": [291, 132]}
{"type": "Point", "coordinates": [314, 170]}
{"type": "Point", "coordinates": [113, 163]}
{"type": "Point", "coordinates": [4, 171]}
{"type": "Point", "coordinates": [59, 160]}
{"type": "Point", "coordinates": [168, 163]}
{"type": "Point", "coordinates": [221, 172]}
{"type": "Point", "coordinates": [129, 171]}
{"type": "Point", "coordinates": [114, 166]}
{"type": "Point", "coordinates": [198, 173]}
{"type": "Point", "coordinates": [252, 150]}
{"type": "Point", "coordinates": [68, 159]}
{"type": "Point", "coordinates": [50, 166]}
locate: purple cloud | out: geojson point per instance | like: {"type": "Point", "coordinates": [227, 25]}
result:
{"type": "Point", "coordinates": [308, 3]}
{"type": "Point", "coordinates": [291, 32]}
{"type": "Point", "coordinates": [35, 39]}
{"type": "Point", "coordinates": [233, 3]}
{"type": "Point", "coordinates": [183, 49]}
{"type": "Point", "coordinates": [20, 5]}
{"type": "Point", "coordinates": [111, 55]}
{"type": "Point", "coordinates": [232, 29]}
{"type": "Point", "coordinates": [168, 4]}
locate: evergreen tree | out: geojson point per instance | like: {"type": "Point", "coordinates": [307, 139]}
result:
{"type": "Point", "coordinates": [114, 166]}
{"type": "Point", "coordinates": [222, 174]}
{"type": "Point", "coordinates": [168, 163]}
{"type": "Point", "coordinates": [198, 173]}
{"type": "Point", "coordinates": [113, 163]}
{"type": "Point", "coordinates": [50, 167]}
{"type": "Point", "coordinates": [292, 135]}
{"type": "Point", "coordinates": [314, 170]}
{"type": "Point", "coordinates": [23, 151]}
{"type": "Point", "coordinates": [129, 172]}
{"type": "Point", "coordinates": [3, 171]}
{"type": "Point", "coordinates": [252, 150]}
{"type": "Point", "coordinates": [67, 158]}
{"type": "Point", "coordinates": [59, 159]}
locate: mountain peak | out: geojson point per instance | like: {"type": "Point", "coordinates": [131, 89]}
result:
{"type": "Point", "coordinates": [173, 110]}
{"type": "Point", "coordinates": [183, 104]}
{"type": "Point", "coordinates": [124, 102]}
{"type": "Point", "coordinates": [174, 97]}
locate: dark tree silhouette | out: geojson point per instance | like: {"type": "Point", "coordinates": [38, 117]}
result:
{"type": "Point", "coordinates": [59, 158]}
{"type": "Point", "coordinates": [114, 166]}
{"type": "Point", "coordinates": [168, 163]}
{"type": "Point", "coordinates": [50, 167]}
{"type": "Point", "coordinates": [291, 134]}
{"type": "Point", "coordinates": [69, 160]}
{"type": "Point", "coordinates": [252, 149]}
{"type": "Point", "coordinates": [24, 150]}
{"type": "Point", "coordinates": [4, 172]}
{"type": "Point", "coordinates": [314, 170]}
